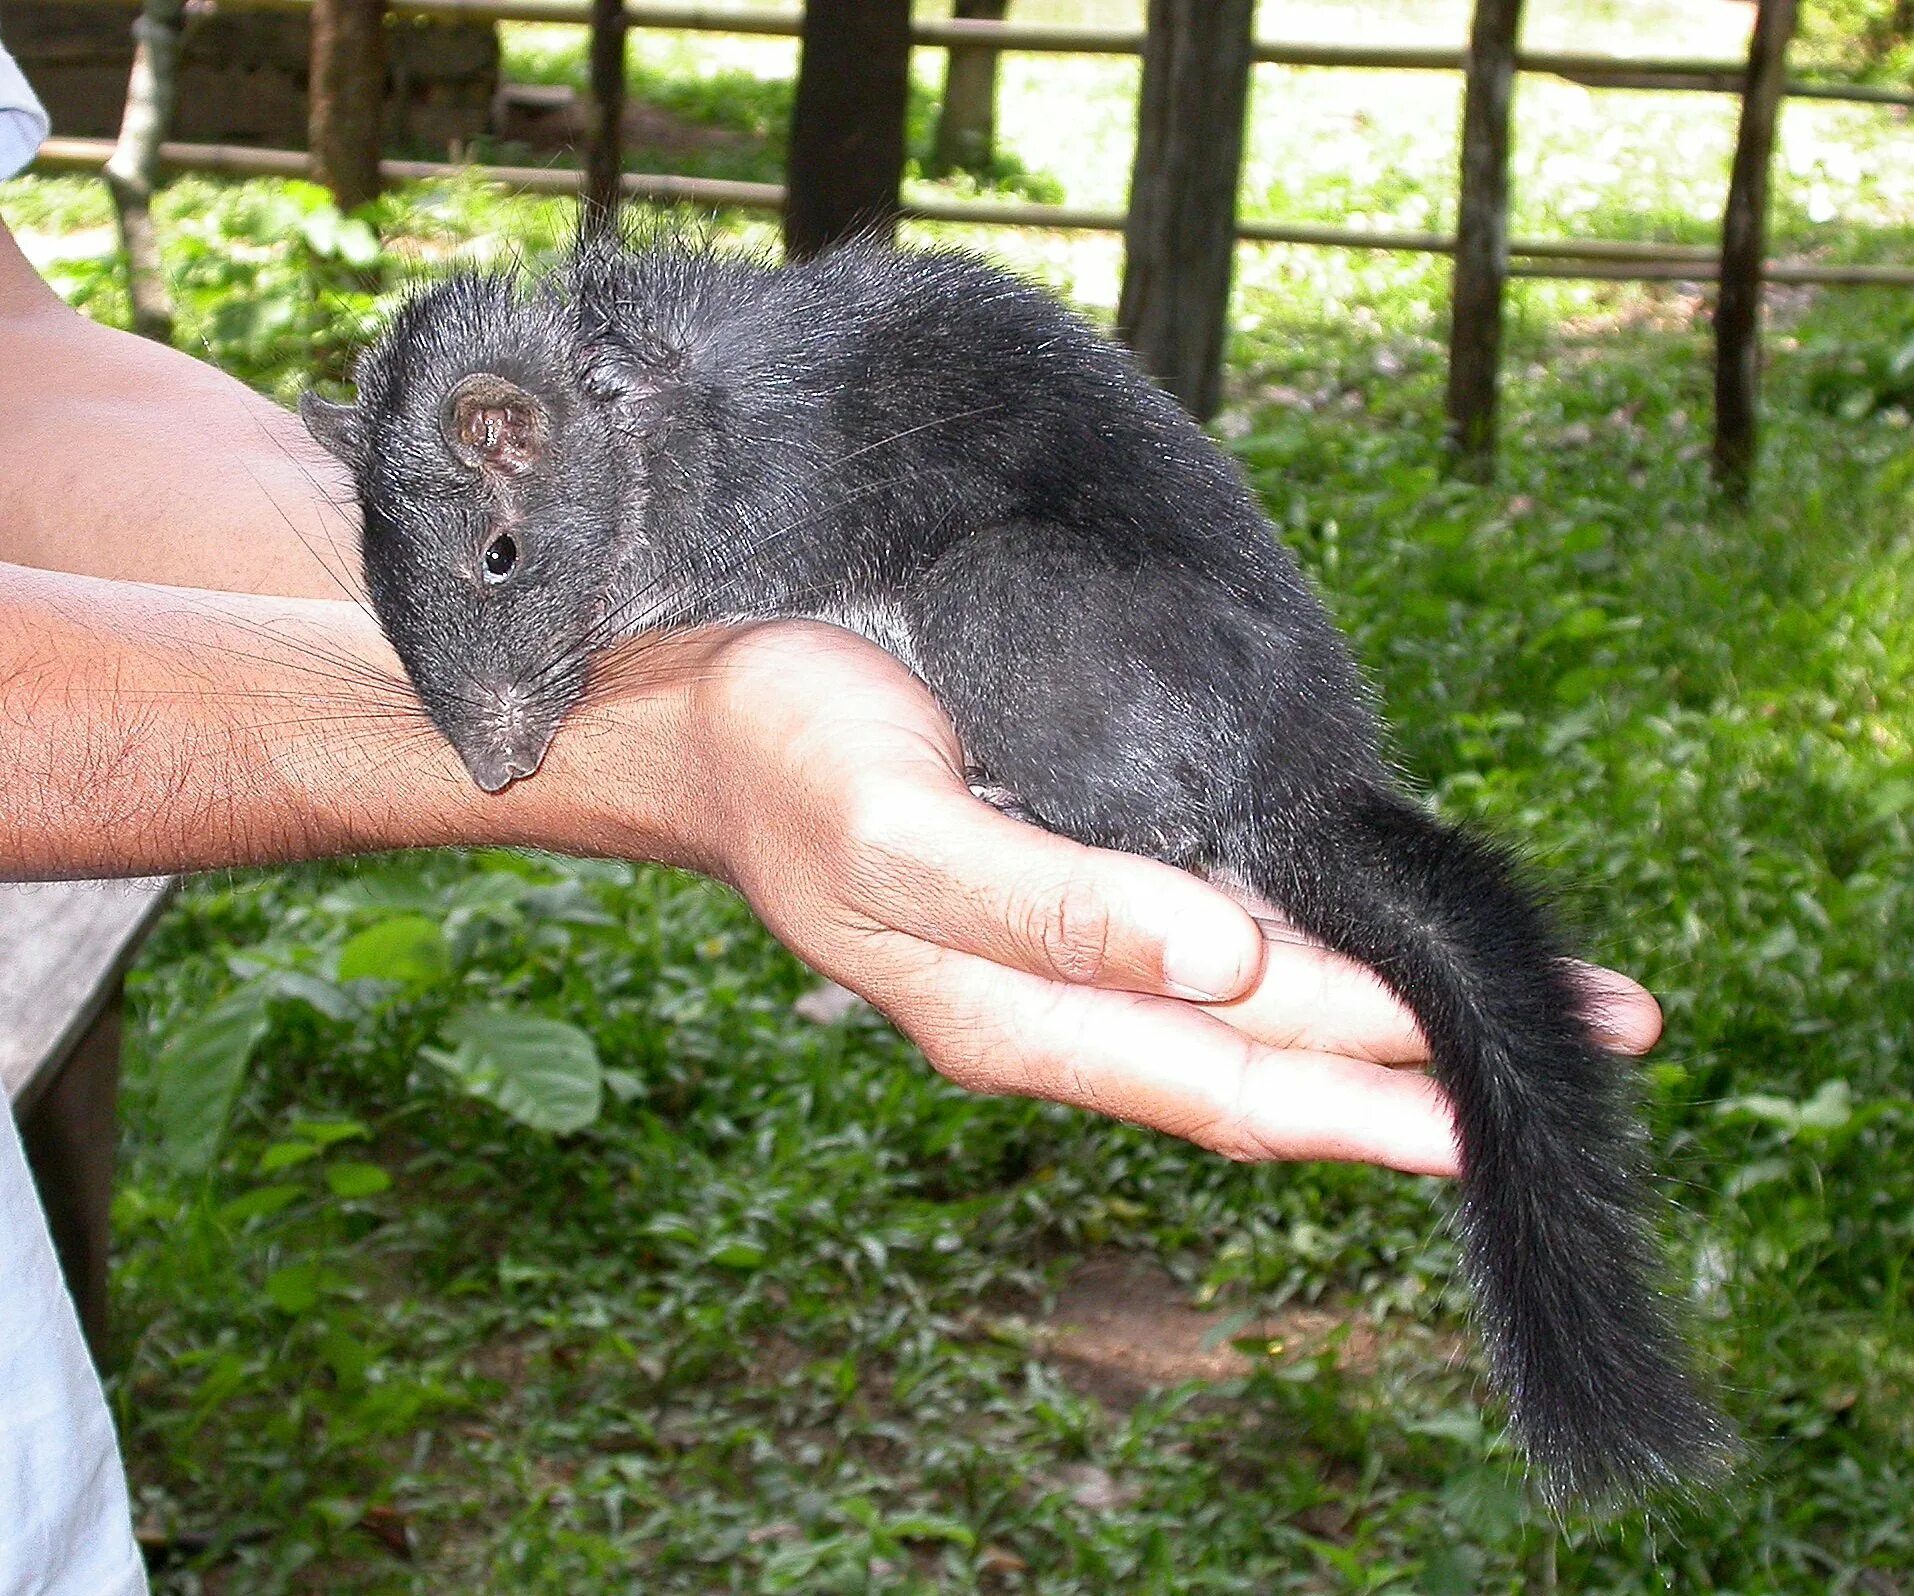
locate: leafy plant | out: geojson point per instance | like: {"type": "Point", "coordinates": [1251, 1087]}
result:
{"type": "Point", "coordinates": [1871, 40]}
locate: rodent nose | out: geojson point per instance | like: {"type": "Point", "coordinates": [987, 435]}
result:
{"type": "Point", "coordinates": [495, 769]}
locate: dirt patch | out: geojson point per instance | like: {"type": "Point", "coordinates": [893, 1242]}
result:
{"type": "Point", "coordinates": [1123, 1327]}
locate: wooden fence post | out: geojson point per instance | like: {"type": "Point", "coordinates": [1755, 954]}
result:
{"type": "Point", "coordinates": [605, 160]}
{"type": "Point", "coordinates": [132, 171]}
{"type": "Point", "coordinates": [847, 123]}
{"type": "Point", "coordinates": [1482, 237]}
{"type": "Point", "coordinates": [1744, 238]}
{"type": "Point", "coordinates": [1180, 238]}
{"type": "Point", "coordinates": [967, 124]}
{"type": "Point", "coordinates": [347, 97]}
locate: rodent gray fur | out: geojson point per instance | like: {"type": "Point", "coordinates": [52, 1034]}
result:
{"type": "Point", "coordinates": [936, 454]}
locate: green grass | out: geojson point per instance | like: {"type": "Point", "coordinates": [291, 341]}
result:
{"type": "Point", "coordinates": [780, 1318]}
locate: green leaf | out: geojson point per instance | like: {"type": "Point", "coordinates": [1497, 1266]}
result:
{"type": "Point", "coordinates": [321, 231]}
{"type": "Point", "coordinates": [295, 1289]}
{"type": "Point", "coordinates": [1463, 1428]}
{"type": "Point", "coordinates": [1583, 540]}
{"type": "Point", "coordinates": [1580, 684]}
{"type": "Point", "coordinates": [357, 1180]}
{"type": "Point", "coordinates": [314, 991]}
{"type": "Point", "coordinates": [259, 1203]}
{"type": "Point", "coordinates": [1226, 1328]}
{"type": "Point", "coordinates": [1344, 1561]}
{"type": "Point", "coordinates": [624, 1084]}
{"type": "Point", "coordinates": [285, 1155]}
{"type": "Point", "coordinates": [1486, 1500]}
{"type": "Point", "coordinates": [197, 1075]}
{"type": "Point", "coordinates": [1452, 1571]}
{"type": "Point", "coordinates": [407, 949]}
{"type": "Point", "coordinates": [741, 1255]}
{"type": "Point", "coordinates": [543, 1072]}
{"type": "Point", "coordinates": [349, 1357]}
{"type": "Point", "coordinates": [1584, 623]}
{"type": "Point", "coordinates": [930, 1527]}
{"type": "Point", "coordinates": [1893, 797]}
{"type": "Point", "coordinates": [673, 1228]}
{"type": "Point", "coordinates": [328, 1131]}
{"type": "Point", "coordinates": [1830, 1109]}
{"type": "Point", "coordinates": [1761, 1172]}
{"type": "Point", "coordinates": [357, 244]}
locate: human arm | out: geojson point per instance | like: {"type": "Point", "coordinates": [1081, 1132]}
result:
{"type": "Point", "coordinates": [147, 729]}
{"type": "Point", "coordinates": [122, 458]}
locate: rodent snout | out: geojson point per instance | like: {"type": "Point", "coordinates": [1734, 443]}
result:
{"type": "Point", "coordinates": [508, 740]}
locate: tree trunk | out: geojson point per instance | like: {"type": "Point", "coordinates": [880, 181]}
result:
{"type": "Point", "coordinates": [1482, 237]}
{"type": "Point", "coordinates": [605, 162]}
{"type": "Point", "coordinates": [132, 171]}
{"type": "Point", "coordinates": [347, 97]}
{"type": "Point", "coordinates": [847, 125]}
{"type": "Point", "coordinates": [967, 124]}
{"type": "Point", "coordinates": [1744, 238]}
{"type": "Point", "coordinates": [1180, 238]}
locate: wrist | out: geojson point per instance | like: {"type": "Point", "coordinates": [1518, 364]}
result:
{"type": "Point", "coordinates": [640, 768]}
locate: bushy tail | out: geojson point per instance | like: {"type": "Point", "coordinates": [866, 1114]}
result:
{"type": "Point", "coordinates": [1555, 1213]}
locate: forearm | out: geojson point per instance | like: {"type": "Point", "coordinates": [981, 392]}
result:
{"type": "Point", "coordinates": [120, 458]}
{"type": "Point", "coordinates": [149, 729]}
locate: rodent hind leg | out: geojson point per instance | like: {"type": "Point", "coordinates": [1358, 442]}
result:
{"type": "Point", "coordinates": [1089, 691]}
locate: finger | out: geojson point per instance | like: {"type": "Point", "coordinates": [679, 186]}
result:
{"type": "Point", "coordinates": [1310, 998]}
{"type": "Point", "coordinates": [1165, 1065]}
{"type": "Point", "coordinates": [1622, 1013]}
{"type": "Point", "coordinates": [948, 870]}
{"type": "Point", "coordinates": [1351, 1011]}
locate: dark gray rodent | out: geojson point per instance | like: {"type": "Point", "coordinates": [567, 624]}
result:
{"type": "Point", "coordinates": [944, 459]}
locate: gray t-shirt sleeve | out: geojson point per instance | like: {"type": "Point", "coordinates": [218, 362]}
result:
{"type": "Point", "coordinates": [23, 120]}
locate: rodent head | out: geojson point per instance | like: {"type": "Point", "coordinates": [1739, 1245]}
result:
{"type": "Point", "coordinates": [492, 499]}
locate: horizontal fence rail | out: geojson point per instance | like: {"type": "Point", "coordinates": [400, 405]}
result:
{"type": "Point", "coordinates": [1030, 38]}
{"type": "Point", "coordinates": [1602, 259]}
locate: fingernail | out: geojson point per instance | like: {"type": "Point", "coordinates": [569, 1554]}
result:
{"type": "Point", "coordinates": [1205, 966]}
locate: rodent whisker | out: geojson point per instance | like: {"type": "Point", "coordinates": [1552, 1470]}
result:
{"type": "Point", "coordinates": [908, 432]}
{"type": "Point", "coordinates": [372, 685]}
{"type": "Point", "coordinates": [332, 561]}
{"type": "Point", "coordinates": [338, 667]}
{"type": "Point", "coordinates": [635, 667]}
{"type": "Point", "coordinates": [284, 636]}
{"type": "Point", "coordinates": [343, 716]}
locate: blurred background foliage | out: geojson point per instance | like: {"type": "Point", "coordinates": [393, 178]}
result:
{"type": "Point", "coordinates": [1867, 40]}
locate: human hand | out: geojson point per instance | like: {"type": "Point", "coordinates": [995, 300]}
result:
{"type": "Point", "coordinates": [798, 762]}
{"type": "Point", "coordinates": [826, 785]}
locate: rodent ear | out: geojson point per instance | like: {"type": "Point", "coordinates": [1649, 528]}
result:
{"type": "Point", "coordinates": [633, 391]}
{"type": "Point", "coordinates": [335, 426]}
{"type": "Point", "coordinates": [495, 425]}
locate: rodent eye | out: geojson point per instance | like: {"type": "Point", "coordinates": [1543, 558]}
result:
{"type": "Point", "coordinates": [501, 555]}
